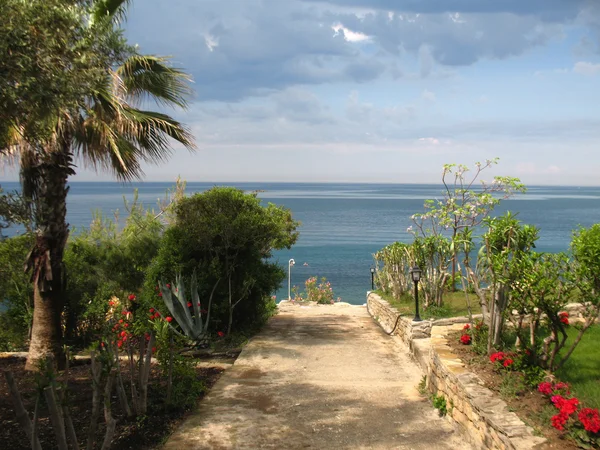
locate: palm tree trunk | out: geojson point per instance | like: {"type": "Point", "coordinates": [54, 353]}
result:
{"type": "Point", "coordinates": [44, 177]}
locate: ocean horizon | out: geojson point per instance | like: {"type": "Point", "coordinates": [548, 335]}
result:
{"type": "Point", "coordinates": [343, 224]}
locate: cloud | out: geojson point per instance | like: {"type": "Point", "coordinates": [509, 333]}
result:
{"type": "Point", "coordinates": [349, 35]}
{"type": "Point", "coordinates": [586, 68]}
{"type": "Point", "coordinates": [250, 48]}
{"type": "Point", "coordinates": [428, 95]}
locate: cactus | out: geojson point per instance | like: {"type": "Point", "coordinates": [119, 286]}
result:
{"type": "Point", "coordinates": [174, 297]}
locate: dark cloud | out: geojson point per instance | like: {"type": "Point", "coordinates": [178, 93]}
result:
{"type": "Point", "coordinates": [237, 49]}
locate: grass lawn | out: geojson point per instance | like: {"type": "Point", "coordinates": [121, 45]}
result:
{"type": "Point", "coordinates": [582, 369]}
{"type": "Point", "coordinates": [455, 305]}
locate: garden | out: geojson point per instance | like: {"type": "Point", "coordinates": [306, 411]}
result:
{"type": "Point", "coordinates": [533, 318]}
{"type": "Point", "coordinates": [145, 301]}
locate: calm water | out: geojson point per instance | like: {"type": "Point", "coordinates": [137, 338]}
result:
{"type": "Point", "coordinates": [343, 224]}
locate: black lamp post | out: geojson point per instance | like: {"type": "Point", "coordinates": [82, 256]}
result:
{"type": "Point", "coordinates": [415, 273]}
{"type": "Point", "coordinates": [372, 278]}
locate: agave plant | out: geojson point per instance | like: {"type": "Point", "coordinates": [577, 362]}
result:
{"type": "Point", "coordinates": [175, 299]}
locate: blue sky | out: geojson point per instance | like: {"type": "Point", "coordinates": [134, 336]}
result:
{"type": "Point", "coordinates": [380, 90]}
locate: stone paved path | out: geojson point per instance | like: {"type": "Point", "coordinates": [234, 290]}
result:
{"type": "Point", "coordinates": [321, 377]}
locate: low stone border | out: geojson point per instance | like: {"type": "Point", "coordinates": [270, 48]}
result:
{"type": "Point", "coordinates": [482, 417]}
{"type": "Point", "coordinates": [475, 408]}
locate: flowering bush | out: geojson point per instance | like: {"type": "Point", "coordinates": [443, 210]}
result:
{"type": "Point", "coordinates": [502, 360]}
{"type": "Point", "coordinates": [321, 293]}
{"type": "Point", "coordinates": [466, 336]}
{"type": "Point", "coordinates": [583, 426]}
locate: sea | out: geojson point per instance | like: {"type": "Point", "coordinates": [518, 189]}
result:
{"type": "Point", "coordinates": [342, 225]}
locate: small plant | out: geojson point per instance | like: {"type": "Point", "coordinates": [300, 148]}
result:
{"type": "Point", "coordinates": [422, 386]}
{"type": "Point", "coordinates": [439, 403]}
{"type": "Point", "coordinates": [186, 311]}
{"type": "Point", "coordinates": [466, 338]}
{"type": "Point", "coordinates": [503, 360]}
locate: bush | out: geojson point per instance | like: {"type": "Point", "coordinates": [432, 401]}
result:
{"type": "Point", "coordinates": [226, 237]}
{"type": "Point", "coordinates": [16, 300]}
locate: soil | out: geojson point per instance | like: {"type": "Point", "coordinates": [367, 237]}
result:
{"type": "Point", "coordinates": [147, 433]}
{"type": "Point", "coordinates": [532, 407]}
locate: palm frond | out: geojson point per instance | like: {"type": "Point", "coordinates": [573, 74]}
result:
{"type": "Point", "coordinates": [117, 137]}
{"type": "Point", "coordinates": [111, 9]}
{"type": "Point", "coordinates": [146, 76]}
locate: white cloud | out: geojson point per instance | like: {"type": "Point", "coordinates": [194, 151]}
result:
{"type": "Point", "coordinates": [586, 68]}
{"type": "Point", "coordinates": [211, 41]}
{"type": "Point", "coordinates": [430, 140]}
{"type": "Point", "coordinates": [428, 95]}
{"type": "Point", "coordinates": [349, 35]}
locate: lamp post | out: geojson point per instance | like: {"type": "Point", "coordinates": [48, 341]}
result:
{"type": "Point", "coordinates": [291, 262]}
{"type": "Point", "coordinates": [415, 273]}
{"type": "Point", "coordinates": [372, 278]}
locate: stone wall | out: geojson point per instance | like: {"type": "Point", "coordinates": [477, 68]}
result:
{"type": "Point", "coordinates": [485, 418]}
{"type": "Point", "coordinates": [482, 417]}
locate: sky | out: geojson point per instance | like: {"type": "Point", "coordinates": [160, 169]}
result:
{"type": "Point", "coordinates": [379, 90]}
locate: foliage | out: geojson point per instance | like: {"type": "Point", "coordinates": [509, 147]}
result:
{"type": "Point", "coordinates": [392, 269]}
{"type": "Point", "coordinates": [322, 293]}
{"type": "Point", "coordinates": [13, 210]}
{"type": "Point", "coordinates": [105, 260]}
{"type": "Point", "coordinates": [16, 306]}
{"type": "Point", "coordinates": [432, 254]}
{"type": "Point", "coordinates": [225, 234]}
{"type": "Point", "coordinates": [454, 305]}
{"type": "Point", "coordinates": [439, 403]}
{"type": "Point", "coordinates": [52, 58]}
{"type": "Point", "coordinates": [187, 310]}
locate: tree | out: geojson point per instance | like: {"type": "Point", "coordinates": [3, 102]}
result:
{"type": "Point", "coordinates": [98, 79]}
{"type": "Point", "coordinates": [464, 206]}
{"type": "Point", "coordinates": [227, 236]}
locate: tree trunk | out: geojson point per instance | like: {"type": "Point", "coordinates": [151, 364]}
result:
{"type": "Point", "coordinates": [44, 174]}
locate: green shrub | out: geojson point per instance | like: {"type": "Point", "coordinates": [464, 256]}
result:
{"type": "Point", "coordinates": [16, 293]}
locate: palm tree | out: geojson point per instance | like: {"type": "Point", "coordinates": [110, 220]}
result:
{"type": "Point", "coordinates": [106, 130]}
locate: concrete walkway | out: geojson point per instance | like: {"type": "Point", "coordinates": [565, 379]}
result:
{"type": "Point", "coordinates": [320, 377]}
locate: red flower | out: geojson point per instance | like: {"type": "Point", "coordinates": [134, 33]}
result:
{"type": "Point", "coordinates": [465, 339]}
{"type": "Point", "coordinates": [169, 319]}
{"type": "Point", "coordinates": [563, 314]}
{"type": "Point", "coordinates": [467, 327]}
{"type": "Point", "coordinates": [157, 315]}
{"type": "Point", "coordinates": [565, 320]}
{"type": "Point", "coordinates": [120, 320]}
{"type": "Point", "coordinates": [153, 349]}
{"type": "Point", "coordinates": [559, 420]}
{"type": "Point", "coordinates": [151, 310]}
{"type": "Point", "coordinates": [220, 334]}
{"type": "Point", "coordinates": [125, 325]}
{"type": "Point", "coordinates": [119, 344]}
{"type": "Point", "coordinates": [499, 356]}
{"type": "Point", "coordinates": [189, 304]}
{"type": "Point", "coordinates": [168, 286]}
{"type": "Point", "coordinates": [123, 333]}
{"type": "Point", "coordinates": [507, 362]}
{"type": "Point", "coordinates": [160, 294]}
{"type": "Point", "coordinates": [102, 344]}
{"type": "Point", "coordinates": [131, 297]}
{"type": "Point", "coordinates": [545, 388]}
{"type": "Point", "coordinates": [111, 303]}
{"type": "Point", "coordinates": [590, 419]}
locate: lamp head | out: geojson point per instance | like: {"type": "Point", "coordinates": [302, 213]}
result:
{"type": "Point", "coordinates": [415, 273]}
{"type": "Point", "coordinates": [372, 269]}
